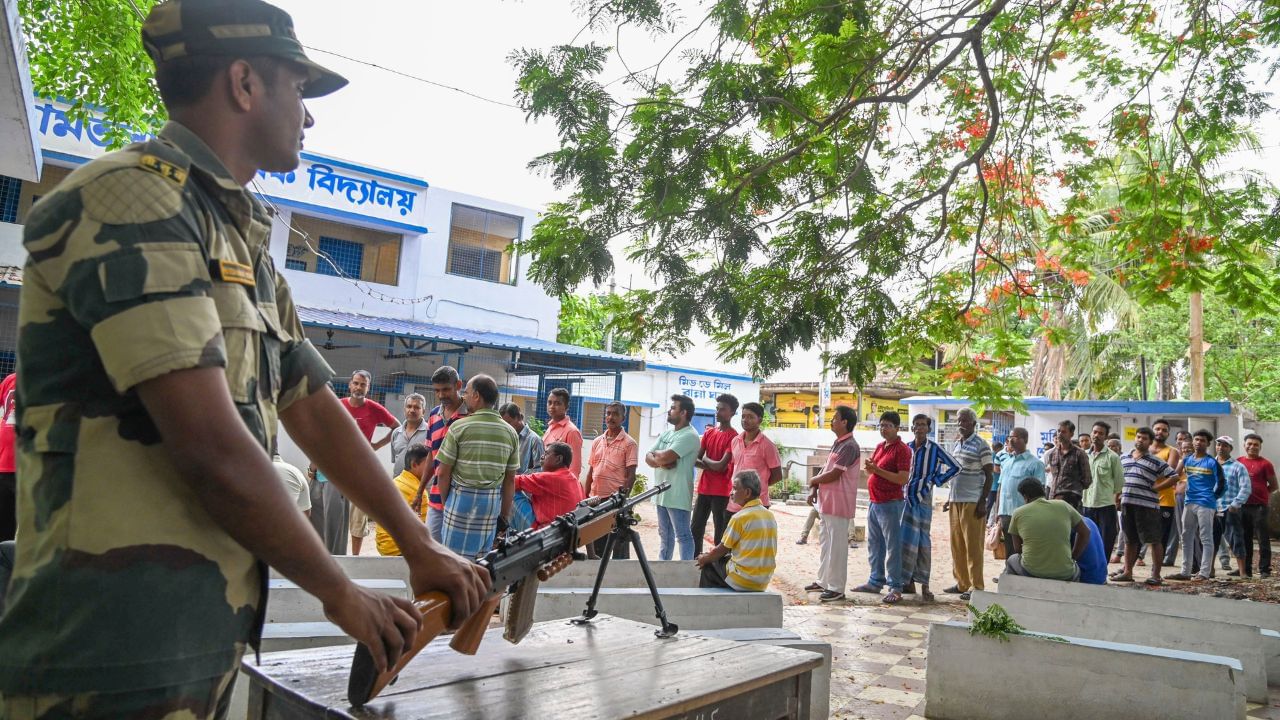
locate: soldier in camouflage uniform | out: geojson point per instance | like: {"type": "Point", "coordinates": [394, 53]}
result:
{"type": "Point", "coordinates": [157, 347]}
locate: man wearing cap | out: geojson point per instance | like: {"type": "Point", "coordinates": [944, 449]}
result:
{"type": "Point", "coordinates": [158, 348]}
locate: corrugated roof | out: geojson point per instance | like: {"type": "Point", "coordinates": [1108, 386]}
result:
{"type": "Point", "coordinates": [334, 319]}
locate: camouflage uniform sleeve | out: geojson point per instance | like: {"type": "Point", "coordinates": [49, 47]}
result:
{"type": "Point", "coordinates": [120, 251]}
{"type": "Point", "coordinates": [303, 370]}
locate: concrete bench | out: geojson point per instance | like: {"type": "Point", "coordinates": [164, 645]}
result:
{"type": "Point", "coordinates": [626, 574]}
{"type": "Point", "coordinates": [1263, 616]}
{"type": "Point", "coordinates": [367, 567]}
{"type": "Point", "coordinates": [820, 689]}
{"type": "Point", "coordinates": [1140, 627]}
{"type": "Point", "coordinates": [1079, 679]}
{"type": "Point", "coordinates": [286, 602]}
{"type": "Point", "coordinates": [690, 608]}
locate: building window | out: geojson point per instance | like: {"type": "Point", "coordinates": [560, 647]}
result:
{"type": "Point", "coordinates": [341, 258]}
{"type": "Point", "coordinates": [358, 253]}
{"type": "Point", "coordinates": [10, 194]}
{"type": "Point", "coordinates": [481, 244]}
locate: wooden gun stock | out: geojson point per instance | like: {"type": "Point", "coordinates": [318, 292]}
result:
{"type": "Point", "coordinates": [366, 682]}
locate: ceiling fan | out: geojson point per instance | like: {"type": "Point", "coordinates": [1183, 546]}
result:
{"type": "Point", "coordinates": [328, 343]}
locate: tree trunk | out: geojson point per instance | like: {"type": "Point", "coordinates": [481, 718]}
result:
{"type": "Point", "coordinates": [1048, 363]}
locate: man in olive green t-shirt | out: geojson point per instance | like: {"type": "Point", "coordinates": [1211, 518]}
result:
{"type": "Point", "coordinates": [1041, 533]}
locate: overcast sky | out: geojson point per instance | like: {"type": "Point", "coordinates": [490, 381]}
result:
{"type": "Point", "coordinates": [456, 141]}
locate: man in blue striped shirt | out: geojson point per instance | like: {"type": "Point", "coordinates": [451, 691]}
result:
{"type": "Point", "coordinates": [1145, 475]}
{"type": "Point", "coordinates": [930, 466]}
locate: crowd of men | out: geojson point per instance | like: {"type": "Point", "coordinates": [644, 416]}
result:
{"type": "Point", "coordinates": [484, 471]}
{"type": "Point", "coordinates": [1061, 515]}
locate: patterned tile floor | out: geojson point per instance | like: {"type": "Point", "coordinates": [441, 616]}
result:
{"type": "Point", "coordinates": [878, 657]}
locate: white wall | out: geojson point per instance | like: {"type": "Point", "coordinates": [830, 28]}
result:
{"type": "Point", "coordinates": [11, 250]}
{"type": "Point", "coordinates": [522, 309]}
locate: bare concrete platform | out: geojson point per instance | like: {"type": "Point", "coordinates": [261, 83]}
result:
{"type": "Point", "coordinates": [1140, 628]}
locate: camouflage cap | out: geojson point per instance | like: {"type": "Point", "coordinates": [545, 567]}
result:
{"type": "Point", "coordinates": [183, 28]}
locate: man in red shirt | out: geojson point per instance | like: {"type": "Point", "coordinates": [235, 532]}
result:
{"type": "Point", "coordinates": [544, 496]}
{"type": "Point", "coordinates": [8, 461]}
{"type": "Point", "coordinates": [561, 429]}
{"type": "Point", "coordinates": [1253, 522]}
{"type": "Point", "coordinates": [888, 469]}
{"type": "Point", "coordinates": [716, 483]}
{"type": "Point", "coordinates": [369, 415]}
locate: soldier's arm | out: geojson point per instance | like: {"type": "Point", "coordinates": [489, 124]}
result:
{"type": "Point", "coordinates": [234, 481]}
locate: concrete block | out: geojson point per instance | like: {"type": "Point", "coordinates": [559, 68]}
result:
{"type": "Point", "coordinates": [286, 602]}
{"type": "Point", "coordinates": [626, 574]}
{"type": "Point", "coordinates": [690, 608]}
{"type": "Point", "coordinates": [1079, 679]}
{"type": "Point", "coordinates": [366, 567]}
{"type": "Point", "coordinates": [1140, 627]}
{"type": "Point", "coordinates": [1265, 617]}
{"type": "Point", "coordinates": [820, 687]}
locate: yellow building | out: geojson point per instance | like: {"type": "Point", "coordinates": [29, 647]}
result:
{"type": "Point", "coordinates": [795, 405]}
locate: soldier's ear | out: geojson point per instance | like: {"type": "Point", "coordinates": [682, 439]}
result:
{"type": "Point", "coordinates": [242, 84]}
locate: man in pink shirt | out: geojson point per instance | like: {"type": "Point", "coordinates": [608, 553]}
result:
{"type": "Point", "coordinates": [834, 492]}
{"type": "Point", "coordinates": [753, 450]}
{"type": "Point", "coordinates": [543, 496]}
{"type": "Point", "coordinates": [614, 458]}
{"type": "Point", "coordinates": [561, 429]}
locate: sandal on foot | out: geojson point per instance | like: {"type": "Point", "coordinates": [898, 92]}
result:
{"type": "Point", "coordinates": [1182, 577]}
{"type": "Point", "coordinates": [865, 588]}
{"type": "Point", "coordinates": [1121, 578]}
{"type": "Point", "coordinates": [893, 597]}
{"type": "Point", "coordinates": [1153, 582]}
{"type": "Point", "coordinates": [953, 590]}
{"type": "Point", "coordinates": [814, 587]}
{"type": "Point", "coordinates": [926, 596]}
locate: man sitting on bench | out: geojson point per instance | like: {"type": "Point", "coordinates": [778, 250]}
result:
{"type": "Point", "coordinates": [746, 556]}
{"type": "Point", "coordinates": [1041, 533]}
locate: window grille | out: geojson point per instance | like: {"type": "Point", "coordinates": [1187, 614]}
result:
{"type": "Point", "coordinates": [347, 255]}
{"type": "Point", "coordinates": [10, 194]}
{"type": "Point", "coordinates": [481, 244]}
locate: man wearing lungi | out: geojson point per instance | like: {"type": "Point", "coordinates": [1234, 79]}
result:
{"type": "Point", "coordinates": [478, 463]}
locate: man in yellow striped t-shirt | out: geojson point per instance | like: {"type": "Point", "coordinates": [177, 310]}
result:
{"type": "Point", "coordinates": [745, 558]}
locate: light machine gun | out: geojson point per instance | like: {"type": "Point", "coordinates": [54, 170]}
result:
{"type": "Point", "coordinates": [517, 564]}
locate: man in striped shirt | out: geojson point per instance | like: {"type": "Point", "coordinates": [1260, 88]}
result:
{"type": "Point", "coordinates": [1145, 475]}
{"type": "Point", "coordinates": [967, 504]}
{"type": "Point", "coordinates": [930, 466]}
{"type": "Point", "coordinates": [448, 390]}
{"type": "Point", "coordinates": [747, 554]}
{"type": "Point", "coordinates": [477, 475]}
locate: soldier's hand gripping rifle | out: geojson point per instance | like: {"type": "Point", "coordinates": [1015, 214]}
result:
{"type": "Point", "coordinates": [517, 564]}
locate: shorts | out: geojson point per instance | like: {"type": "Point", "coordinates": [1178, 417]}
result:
{"type": "Point", "coordinates": [1141, 524]}
{"type": "Point", "coordinates": [360, 522]}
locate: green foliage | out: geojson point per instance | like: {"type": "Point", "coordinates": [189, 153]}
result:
{"type": "Point", "coordinates": [1241, 365]}
{"type": "Point", "coordinates": [537, 425]}
{"type": "Point", "coordinates": [994, 622]}
{"type": "Point", "coordinates": [642, 482]}
{"type": "Point", "coordinates": [902, 179]}
{"type": "Point", "coordinates": [89, 52]}
{"type": "Point", "coordinates": [784, 489]}
{"type": "Point", "coordinates": [586, 321]}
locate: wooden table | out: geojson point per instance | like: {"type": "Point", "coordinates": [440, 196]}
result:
{"type": "Point", "coordinates": [613, 668]}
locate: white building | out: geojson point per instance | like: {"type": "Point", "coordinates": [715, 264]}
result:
{"type": "Point", "coordinates": [389, 274]}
